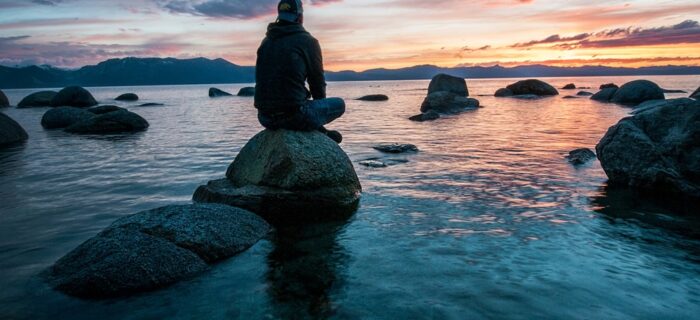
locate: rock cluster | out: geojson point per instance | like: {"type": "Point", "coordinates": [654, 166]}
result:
{"type": "Point", "coordinates": [38, 99]}
{"type": "Point", "coordinates": [154, 249]}
{"type": "Point", "coordinates": [657, 149]}
{"type": "Point", "coordinates": [73, 97]}
{"type": "Point", "coordinates": [631, 93]}
{"type": "Point", "coordinates": [10, 131]}
{"type": "Point", "coordinates": [99, 120]}
{"type": "Point", "coordinates": [288, 176]}
{"type": "Point", "coordinates": [446, 95]}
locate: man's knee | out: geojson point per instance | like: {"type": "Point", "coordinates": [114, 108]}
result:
{"type": "Point", "coordinates": [338, 105]}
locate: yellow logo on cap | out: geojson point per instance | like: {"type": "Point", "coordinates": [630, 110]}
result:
{"type": "Point", "coordinates": [285, 7]}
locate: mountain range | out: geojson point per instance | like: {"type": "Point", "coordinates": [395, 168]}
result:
{"type": "Point", "coordinates": [171, 71]}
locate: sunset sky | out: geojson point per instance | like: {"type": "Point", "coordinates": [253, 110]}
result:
{"type": "Point", "coordinates": [359, 34]}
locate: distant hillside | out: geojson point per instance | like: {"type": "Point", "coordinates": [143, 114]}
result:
{"type": "Point", "coordinates": [170, 71]}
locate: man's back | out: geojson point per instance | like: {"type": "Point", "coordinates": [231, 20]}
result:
{"type": "Point", "coordinates": [287, 58]}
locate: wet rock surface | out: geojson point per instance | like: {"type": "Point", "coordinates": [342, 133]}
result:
{"type": "Point", "coordinates": [154, 249]}
{"type": "Point", "coordinates": [10, 131]}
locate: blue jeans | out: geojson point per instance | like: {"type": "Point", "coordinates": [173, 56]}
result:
{"type": "Point", "coordinates": [311, 116]}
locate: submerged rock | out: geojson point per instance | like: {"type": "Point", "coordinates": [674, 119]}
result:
{"type": "Point", "coordinates": [569, 86]}
{"type": "Point", "coordinates": [104, 109]}
{"type": "Point", "coordinates": [120, 121]}
{"type": "Point", "coordinates": [504, 92]}
{"type": "Point", "coordinates": [288, 176]}
{"type": "Point", "coordinates": [604, 95]}
{"type": "Point", "coordinates": [374, 97]}
{"type": "Point", "coordinates": [532, 86]}
{"type": "Point", "coordinates": [73, 97]}
{"type": "Point", "coordinates": [396, 148]}
{"type": "Point", "coordinates": [10, 131]}
{"type": "Point", "coordinates": [214, 92]}
{"type": "Point", "coordinates": [448, 102]}
{"type": "Point", "coordinates": [427, 116]}
{"type": "Point", "coordinates": [584, 94]}
{"type": "Point", "coordinates": [246, 92]}
{"type": "Point", "coordinates": [527, 97]}
{"type": "Point", "coordinates": [38, 99]}
{"type": "Point", "coordinates": [580, 156]}
{"type": "Point", "coordinates": [127, 97]}
{"type": "Point", "coordinates": [638, 91]}
{"type": "Point", "coordinates": [151, 104]}
{"type": "Point", "coordinates": [656, 150]}
{"type": "Point", "coordinates": [696, 94]}
{"type": "Point", "coordinates": [444, 82]}
{"type": "Point", "coordinates": [381, 163]}
{"type": "Point", "coordinates": [608, 86]}
{"type": "Point", "coordinates": [4, 102]}
{"type": "Point", "coordinates": [62, 117]}
{"type": "Point", "coordinates": [154, 249]}
{"type": "Point", "coordinates": [570, 97]}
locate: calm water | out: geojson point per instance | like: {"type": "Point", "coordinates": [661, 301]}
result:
{"type": "Point", "coordinates": [487, 221]}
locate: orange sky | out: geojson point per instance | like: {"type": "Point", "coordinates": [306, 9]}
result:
{"type": "Point", "coordinates": [359, 34]}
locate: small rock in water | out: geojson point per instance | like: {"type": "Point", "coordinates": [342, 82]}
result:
{"type": "Point", "coordinates": [396, 148]}
{"type": "Point", "coordinates": [532, 87]}
{"type": "Point", "coordinates": [448, 102]}
{"type": "Point", "coordinates": [374, 97]}
{"type": "Point", "coordinates": [73, 97]}
{"type": "Point", "coordinates": [428, 116]}
{"type": "Point", "coordinates": [62, 117]}
{"type": "Point", "coordinates": [584, 94]}
{"type": "Point", "coordinates": [604, 95]}
{"type": "Point", "coordinates": [608, 86]}
{"type": "Point", "coordinates": [246, 92]}
{"type": "Point", "coordinates": [127, 97]}
{"type": "Point", "coordinates": [373, 164]}
{"type": "Point", "coordinates": [580, 156]}
{"type": "Point", "coordinates": [151, 104]}
{"type": "Point", "coordinates": [154, 249]}
{"type": "Point", "coordinates": [569, 86]}
{"type": "Point", "coordinates": [214, 92]}
{"type": "Point", "coordinates": [4, 102]}
{"type": "Point", "coordinates": [673, 91]}
{"type": "Point", "coordinates": [10, 131]}
{"type": "Point", "coordinates": [638, 91]}
{"type": "Point", "coordinates": [503, 92]}
{"type": "Point", "coordinates": [38, 99]}
{"type": "Point", "coordinates": [570, 97]}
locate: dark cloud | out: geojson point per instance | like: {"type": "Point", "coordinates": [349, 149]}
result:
{"type": "Point", "coordinates": [683, 33]}
{"type": "Point", "coordinates": [239, 9]}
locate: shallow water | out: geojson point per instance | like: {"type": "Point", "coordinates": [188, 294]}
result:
{"type": "Point", "coordinates": [487, 221]}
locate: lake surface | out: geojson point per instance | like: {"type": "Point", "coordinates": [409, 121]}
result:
{"type": "Point", "coordinates": [487, 221]}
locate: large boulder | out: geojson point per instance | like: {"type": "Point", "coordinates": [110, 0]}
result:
{"type": "Point", "coordinates": [62, 117]}
{"type": "Point", "coordinates": [604, 95]}
{"type": "Point", "coordinates": [127, 97]}
{"type": "Point", "coordinates": [289, 176]}
{"type": "Point", "coordinates": [73, 97]}
{"type": "Point", "coordinates": [532, 86]}
{"type": "Point", "coordinates": [38, 99]}
{"type": "Point", "coordinates": [445, 82]}
{"type": "Point", "coordinates": [154, 249]}
{"type": "Point", "coordinates": [215, 92]}
{"type": "Point", "coordinates": [657, 149]}
{"type": "Point", "coordinates": [4, 102]}
{"type": "Point", "coordinates": [10, 131]}
{"type": "Point", "coordinates": [246, 92]}
{"type": "Point", "coordinates": [638, 91]}
{"type": "Point", "coordinates": [696, 94]}
{"type": "Point", "coordinates": [448, 102]}
{"type": "Point", "coordinates": [120, 121]}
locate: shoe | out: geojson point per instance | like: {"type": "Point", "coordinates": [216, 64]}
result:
{"type": "Point", "coordinates": [335, 136]}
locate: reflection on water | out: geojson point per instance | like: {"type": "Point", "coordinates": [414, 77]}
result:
{"type": "Point", "coordinates": [487, 221]}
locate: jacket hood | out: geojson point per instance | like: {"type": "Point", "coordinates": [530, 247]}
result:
{"type": "Point", "coordinates": [279, 30]}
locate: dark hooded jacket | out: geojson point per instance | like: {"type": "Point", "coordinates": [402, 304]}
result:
{"type": "Point", "coordinates": [287, 58]}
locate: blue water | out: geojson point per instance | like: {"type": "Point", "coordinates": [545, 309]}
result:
{"type": "Point", "coordinates": [487, 221]}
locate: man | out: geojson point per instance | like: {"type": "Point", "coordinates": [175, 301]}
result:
{"type": "Point", "coordinates": [287, 58]}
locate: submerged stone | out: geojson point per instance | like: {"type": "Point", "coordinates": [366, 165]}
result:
{"type": "Point", "coordinates": [396, 148]}
{"type": "Point", "coordinates": [10, 131]}
{"type": "Point", "coordinates": [427, 116]}
{"type": "Point", "coordinates": [120, 121]}
{"type": "Point", "coordinates": [580, 156]}
{"type": "Point", "coordinates": [127, 97]}
{"type": "Point", "coordinates": [38, 99]}
{"type": "Point", "coordinates": [374, 97]}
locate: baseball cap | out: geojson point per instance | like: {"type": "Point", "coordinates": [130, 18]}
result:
{"type": "Point", "coordinates": [289, 10]}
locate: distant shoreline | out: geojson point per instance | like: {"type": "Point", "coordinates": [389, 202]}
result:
{"type": "Point", "coordinates": [130, 72]}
